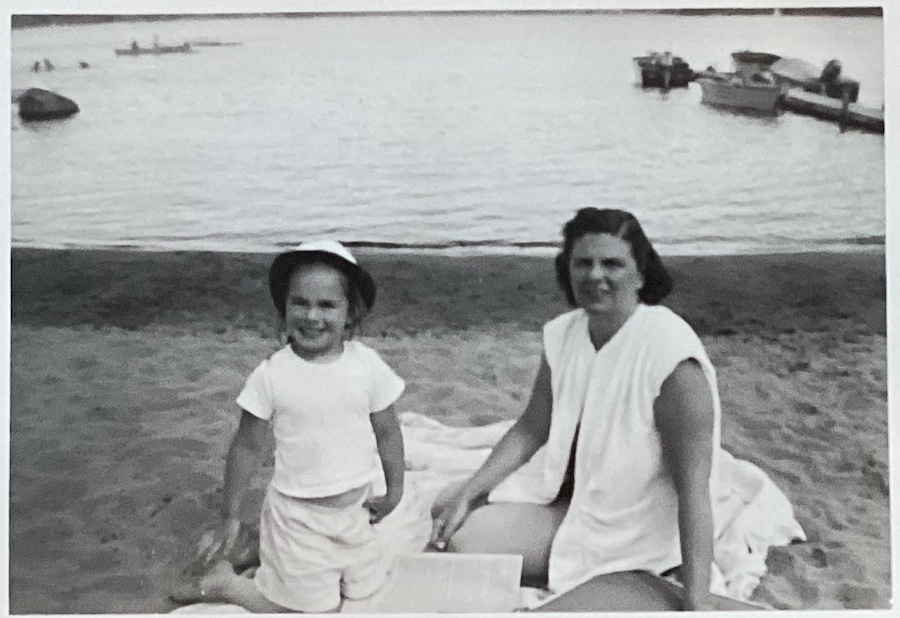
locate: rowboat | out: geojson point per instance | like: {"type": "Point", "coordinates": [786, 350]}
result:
{"type": "Point", "coordinates": [204, 43]}
{"type": "Point", "coordinates": [156, 50]}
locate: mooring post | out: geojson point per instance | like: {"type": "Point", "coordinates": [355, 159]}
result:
{"type": "Point", "coordinates": [845, 106]}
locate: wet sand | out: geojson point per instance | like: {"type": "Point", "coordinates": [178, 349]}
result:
{"type": "Point", "coordinates": [125, 366]}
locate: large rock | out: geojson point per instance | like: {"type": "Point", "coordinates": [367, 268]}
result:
{"type": "Point", "coordinates": [39, 104]}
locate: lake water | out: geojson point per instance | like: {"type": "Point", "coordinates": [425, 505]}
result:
{"type": "Point", "coordinates": [477, 131]}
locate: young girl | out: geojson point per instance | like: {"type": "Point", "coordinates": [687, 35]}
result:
{"type": "Point", "coordinates": [330, 402]}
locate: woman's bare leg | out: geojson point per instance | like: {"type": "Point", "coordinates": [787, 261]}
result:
{"type": "Point", "coordinates": [513, 528]}
{"type": "Point", "coordinates": [632, 591]}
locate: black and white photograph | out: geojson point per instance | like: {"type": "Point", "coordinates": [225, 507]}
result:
{"type": "Point", "coordinates": [484, 306]}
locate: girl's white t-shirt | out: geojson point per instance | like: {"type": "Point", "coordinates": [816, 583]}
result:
{"type": "Point", "coordinates": [324, 441]}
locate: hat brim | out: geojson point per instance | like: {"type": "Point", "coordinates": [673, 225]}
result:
{"type": "Point", "coordinates": [284, 264]}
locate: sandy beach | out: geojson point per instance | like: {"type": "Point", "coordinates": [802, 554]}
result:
{"type": "Point", "coordinates": [125, 366]}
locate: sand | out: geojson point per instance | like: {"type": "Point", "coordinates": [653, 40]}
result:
{"type": "Point", "coordinates": [125, 365]}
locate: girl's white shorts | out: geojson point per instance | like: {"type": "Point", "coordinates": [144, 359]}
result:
{"type": "Point", "coordinates": [311, 556]}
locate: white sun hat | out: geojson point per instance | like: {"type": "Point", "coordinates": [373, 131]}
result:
{"type": "Point", "coordinates": [324, 250]}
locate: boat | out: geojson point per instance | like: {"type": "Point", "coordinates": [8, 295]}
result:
{"type": "Point", "coordinates": [156, 50]}
{"type": "Point", "coordinates": [735, 93]}
{"type": "Point", "coordinates": [753, 61]}
{"type": "Point", "coordinates": [751, 87]}
{"type": "Point", "coordinates": [798, 73]}
{"type": "Point", "coordinates": [654, 69]}
{"type": "Point", "coordinates": [205, 43]}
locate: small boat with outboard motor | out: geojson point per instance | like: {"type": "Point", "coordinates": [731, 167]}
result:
{"type": "Point", "coordinates": [662, 70]}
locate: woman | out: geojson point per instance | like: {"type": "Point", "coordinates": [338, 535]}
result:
{"type": "Point", "coordinates": [625, 414]}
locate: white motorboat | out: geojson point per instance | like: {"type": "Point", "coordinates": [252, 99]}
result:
{"type": "Point", "coordinates": [752, 87]}
{"type": "Point", "coordinates": [731, 90]}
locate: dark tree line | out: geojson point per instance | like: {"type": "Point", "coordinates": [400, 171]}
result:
{"type": "Point", "coordinates": [33, 21]}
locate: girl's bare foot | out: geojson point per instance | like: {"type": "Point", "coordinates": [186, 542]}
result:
{"type": "Point", "coordinates": [206, 588]}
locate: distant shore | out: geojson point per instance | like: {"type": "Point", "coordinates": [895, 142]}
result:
{"type": "Point", "coordinates": [125, 366]}
{"type": "Point", "coordinates": [35, 21]}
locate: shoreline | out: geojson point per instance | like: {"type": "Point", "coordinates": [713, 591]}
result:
{"type": "Point", "coordinates": [125, 365]}
{"type": "Point", "coordinates": [477, 248]}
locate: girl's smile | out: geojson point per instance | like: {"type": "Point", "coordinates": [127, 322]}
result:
{"type": "Point", "coordinates": [316, 312]}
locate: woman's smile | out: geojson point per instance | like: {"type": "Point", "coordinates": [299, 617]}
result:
{"type": "Point", "coordinates": [604, 274]}
{"type": "Point", "coordinates": [591, 292]}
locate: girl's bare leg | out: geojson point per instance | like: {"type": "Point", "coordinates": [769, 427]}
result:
{"type": "Point", "coordinates": [223, 585]}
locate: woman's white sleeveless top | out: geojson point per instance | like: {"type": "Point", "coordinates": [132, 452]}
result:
{"type": "Point", "coordinates": [623, 515]}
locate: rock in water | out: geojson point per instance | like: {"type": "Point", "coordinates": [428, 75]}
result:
{"type": "Point", "coordinates": [39, 104]}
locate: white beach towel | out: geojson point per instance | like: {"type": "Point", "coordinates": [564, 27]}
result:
{"type": "Point", "coordinates": [752, 514]}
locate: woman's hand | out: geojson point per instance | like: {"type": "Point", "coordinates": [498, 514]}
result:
{"type": "Point", "coordinates": [448, 516]}
{"type": "Point", "coordinates": [382, 506]}
{"type": "Point", "coordinates": [219, 543]}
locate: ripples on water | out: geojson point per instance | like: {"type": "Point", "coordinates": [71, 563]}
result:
{"type": "Point", "coordinates": [482, 133]}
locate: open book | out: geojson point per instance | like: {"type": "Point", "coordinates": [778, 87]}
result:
{"type": "Point", "coordinates": [429, 583]}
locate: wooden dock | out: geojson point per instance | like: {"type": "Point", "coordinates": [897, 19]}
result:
{"type": "Point", "coordinates": [819, 106]}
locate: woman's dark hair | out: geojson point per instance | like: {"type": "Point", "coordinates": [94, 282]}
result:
{"type": "Point", "coordinates": [657, 282]}
{"type": "Point", "coordinates": [356, 305]}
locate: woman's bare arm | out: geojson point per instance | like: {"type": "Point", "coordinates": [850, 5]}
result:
{"type": "Point", "coordinates": [521, 442]}
{"type": "Point", "coordinates": [516, 447]}
{"type": "Point", "coordinates": [685, 418]}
